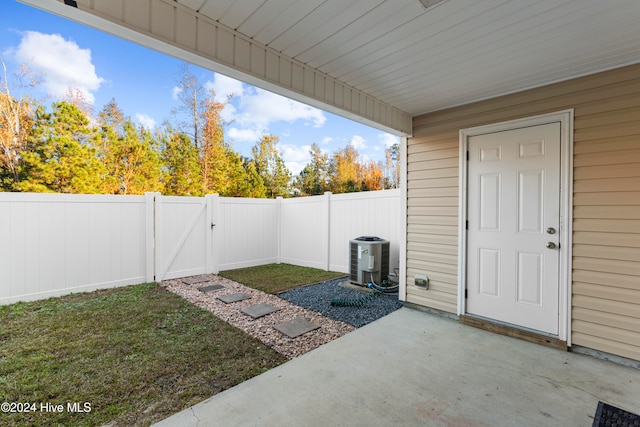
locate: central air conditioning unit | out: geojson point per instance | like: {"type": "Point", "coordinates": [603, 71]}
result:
{"type": "Point", "coordinates": [369, 258]}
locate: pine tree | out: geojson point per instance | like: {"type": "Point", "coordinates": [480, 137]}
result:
{"type": "Point", "coordinates": [314, 178]}
{"type": "Point", "coordinates": [182, 174]}
{"type": "Point", "coordinates": [59, 157]}
{"type": "Point", "coordinates": [270, 166]}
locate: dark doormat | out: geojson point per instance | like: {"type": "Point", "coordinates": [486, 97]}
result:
{"type": "Point", "coordinates": [608, 415]}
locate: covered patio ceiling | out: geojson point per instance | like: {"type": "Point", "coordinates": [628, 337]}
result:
{"type": "Point", "coordinates": [379, 61]}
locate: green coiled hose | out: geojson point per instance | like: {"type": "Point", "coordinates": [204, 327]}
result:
{"type": "Point", "coordinates": [354, 302]}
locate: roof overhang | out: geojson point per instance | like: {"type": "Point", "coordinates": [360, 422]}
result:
{"type": "Point", "coordinates": [379, 62]}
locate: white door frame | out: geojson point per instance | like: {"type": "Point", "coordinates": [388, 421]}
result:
{"type": "Point", "coordinates": [565, 118]}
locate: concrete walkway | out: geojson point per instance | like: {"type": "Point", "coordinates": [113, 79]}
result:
{"type": "Point", "coordinates": [412, 368]}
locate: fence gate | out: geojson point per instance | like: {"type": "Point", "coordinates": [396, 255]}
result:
{"type": "Point", "coordinates": [183, 236]}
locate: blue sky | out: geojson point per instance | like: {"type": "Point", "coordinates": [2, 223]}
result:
{"type": "Point", "coordinates": [143, 83]}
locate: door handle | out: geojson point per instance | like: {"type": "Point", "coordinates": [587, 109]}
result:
{"type": "Point", "coordinates": [551, 230]}
{"type": "Point", "coordinates": [551, 245]}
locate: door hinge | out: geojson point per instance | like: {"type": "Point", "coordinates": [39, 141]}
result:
{"type": "Point", "coordinates": [466, 293]}
{"type": "Point", "coordinates": [466, 224]}
{"type": "Point", "coordinates": [467, 155]}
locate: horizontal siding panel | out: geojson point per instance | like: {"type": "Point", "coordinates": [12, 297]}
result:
{"type": "Point", "coordinates": [432, 173]}
{"type": "Point", "coordinates": [606, 252]}
{"type": "Point", "coordinates": [613, 334]}
{"type": "Point", "coordinates": [433, 155]}
{"type": "Point", "coordinates": [433, 192]}
{"type": "Point", "coordinates": [418, 299]}
{"type": "Point", "coordinates": [607, 198]}
{"type": "Point", "coordinates": [608, 131]}
{"type": "Point", "coordinates": [607, 225]}
{"type": "Point", "coordinates": [433, 183]}
{"type": "Point", "coordinates": [443, 241]}
{"type": "Point", "coordinates": [433, 201]}
{"type": "Point", "coordinates": [617, 103]}
{"type": "Point", "coordinates": [422, 265]}
{"type": "Point", "coordinates": [608, 279]}
{"type": "Point", "coordinates": [418, 145]}
{"type": "Point", "coordinates": [433, 211]}
{"type": "Point", "coordinates": [434, 220]}
{"type": "Point", "coordinates": [428, 229]}
{"type": "Point", "coordinates": [604, 184]}
{"type": "Point", "coordinates": [607, 306]}
{"type": "Point", "coordinates": [604, 118]}
{"type": "Point", "coordinates": [445, 297]}
{"type": "Point", "coordinates": [602, 344]}
{"type": "Point", "coordinates": [433, 164]}
{"type": "Point", "coordinates": [607, 145]}
{"type": "Point", "coordinates": [422, 255]}
{"type": "Point", "coordinates": [627, 295]}
{"type": "Point", "coordinates": [607, 212]}
{"type": "Point", "coordinates": [607, 265]}
{"type": "Point", "coordinates": [607, 158]}
{"type": "Point", "coordinates": [623, 240]}
{"type": "Point", "coordinates": [619, 171]}
{"type": "Point", "coordinates": [607, 319]}
{"type": "Point", "coordinates": [435, 248]}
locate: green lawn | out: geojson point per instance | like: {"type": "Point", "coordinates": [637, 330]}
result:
{"type": "Point", "coordinates": [275, 278]}
{"type": "Point", "coordinates": [131, 355]}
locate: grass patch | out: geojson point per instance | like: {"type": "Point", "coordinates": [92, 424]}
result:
{"type": "Point", "coordinates": [275, 278]}
{"type": "Point", "coordinates": [135, 354]}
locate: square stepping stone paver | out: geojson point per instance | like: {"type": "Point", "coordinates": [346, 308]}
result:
{"type": "Point", "coordinates": [296, 327]}
{"type": "Point", "coordinates": [211, 288]}
{"type": "Point", "coordinates": [260, 310]}
{"type": "Point", "coordinates": [194, 280]}
{"type": "Point", "coordinates": [228, 299]}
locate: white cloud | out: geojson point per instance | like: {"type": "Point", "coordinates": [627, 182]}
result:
{"type": "Point", "coordinates": [63, 64]}
{"type": "Point", "coordinates": [244, 135]}
{"type": "Point", "coordinates": [175, 92]}
{"type": "Point", "coordinates": [326, 140]}
{"type": "Point", "coordinates": [260, 108]}
{"type": "Point", "coordinates": [388, 140]}
{"type": "Point", "coordinates": [146, 121]}
{"type": "Point", "coordinates": [224, 86]}
{"type": "Point", "coordinates": [358, 142]}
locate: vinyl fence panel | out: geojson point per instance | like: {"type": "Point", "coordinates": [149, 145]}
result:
{"type": "Point", "coordinates": [55, 244]}
{"type": "Point", "coordinates": [304, 231]}
{"type": "Point", "coordinates": [246, 232]}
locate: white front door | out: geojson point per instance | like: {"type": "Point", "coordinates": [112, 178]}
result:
{"type": "Point", "coordinates": [513, 226]}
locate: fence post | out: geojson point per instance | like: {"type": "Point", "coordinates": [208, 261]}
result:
{"type": "Point", "coordinates": [279, 225]}
{"type": "Point", "coordinates": [150, 236]}
{"type": "Point", "coordinates": [213, 234]}
{"type": "Point", "coordinates": [327, 230]}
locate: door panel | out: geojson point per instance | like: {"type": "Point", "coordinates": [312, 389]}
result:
{"type": "Point", "coordinates": [513, 197]}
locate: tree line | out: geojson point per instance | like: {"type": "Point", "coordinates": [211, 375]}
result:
{"type": "Point", "coordinates": [67, 149]}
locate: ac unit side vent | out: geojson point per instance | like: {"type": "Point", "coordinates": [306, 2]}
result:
{"type": "Point", "coordinates": [353, 270]}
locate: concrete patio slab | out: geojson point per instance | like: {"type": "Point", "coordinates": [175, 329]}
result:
{"type": "Point", "coordinates": [194, 280]}
{"type": "Point", "coordinates": [259, 310]}
{"type": "Point", "coordinates": [231, 298]}
{"type": "Point", "coordinates": [296, 327]}
{"type": "Point", "coordinates": [411, 368]}
{"type": "Point", "coordinates": [211, 288]}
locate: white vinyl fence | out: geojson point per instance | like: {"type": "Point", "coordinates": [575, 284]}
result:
{"type": "Point", "coordinates": [55, 244]}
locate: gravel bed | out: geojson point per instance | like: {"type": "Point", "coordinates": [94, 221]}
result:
{"type": "Point", "coordinates": [263, 327]}
{"type": "Point", "coordinates": [318, 298]}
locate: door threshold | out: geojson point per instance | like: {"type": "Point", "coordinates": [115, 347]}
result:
{"type": "Point", "coordinates": [512, 331]}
